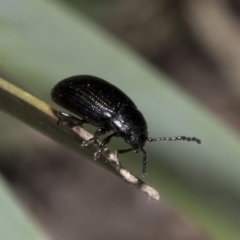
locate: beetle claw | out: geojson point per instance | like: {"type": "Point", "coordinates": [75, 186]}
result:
{"type": "Point", "coordinates": [85, 143]}
{"type": "Point", "coordinates": [97, 154]}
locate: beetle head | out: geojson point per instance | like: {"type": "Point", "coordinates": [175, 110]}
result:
{"type": "Point", "coordinates": [137, 138]}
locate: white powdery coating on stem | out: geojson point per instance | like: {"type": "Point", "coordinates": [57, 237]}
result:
{"type": "Point", "coordinates": [127, 176]}
{"type": "Point", "coordinates": [151, 192]}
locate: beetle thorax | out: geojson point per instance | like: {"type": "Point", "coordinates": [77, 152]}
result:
{"type": "Point", "coordinates": [130, 124]}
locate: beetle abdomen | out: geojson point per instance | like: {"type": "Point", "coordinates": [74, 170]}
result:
{"type": "Point", "coordinates": [92, 98]}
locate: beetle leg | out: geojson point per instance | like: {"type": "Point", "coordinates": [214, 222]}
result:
{"type": "Point", "coordinates": [69, 119]}
{"type": "Point", "coordinates": [100, 131]}
{"type": "Point", "coordinates": [103, 144]}
{"type": "Point", "coordinates": [144, 167]}
{"type": "Point", "coordinates": [106, 140]}
{"type": "Point", "coordinates": [124, 150]}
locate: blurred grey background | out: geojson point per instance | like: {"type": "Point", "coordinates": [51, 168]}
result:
{"type": "Point", "coordinates": [197, 44]}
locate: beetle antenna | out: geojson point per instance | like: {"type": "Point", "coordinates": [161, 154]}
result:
{"type": "Point", "coordinates": [144, 167]}
{"type": "Point", "coordinates": [183, 138]}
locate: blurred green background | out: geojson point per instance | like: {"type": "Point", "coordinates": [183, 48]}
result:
{"type": "Point", "coordinates": [178, 61]}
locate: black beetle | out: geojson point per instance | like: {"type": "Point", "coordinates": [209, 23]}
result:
{"type": "Point", "coordinates": [103, 105]}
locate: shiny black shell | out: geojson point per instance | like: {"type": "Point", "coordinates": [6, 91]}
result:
{"type": "Point", "coordinates": [103, 105]}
